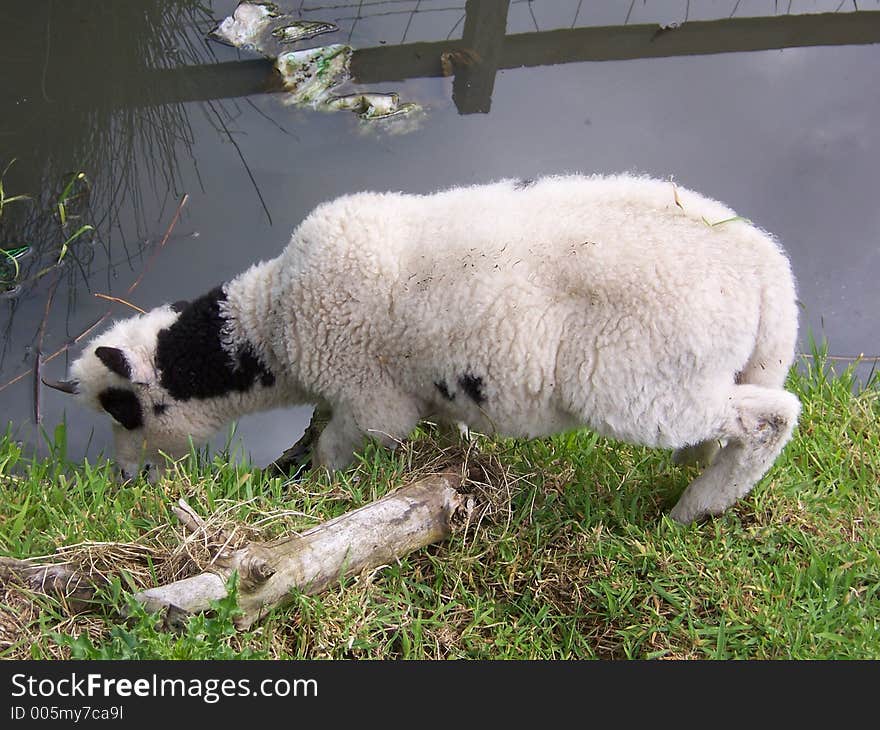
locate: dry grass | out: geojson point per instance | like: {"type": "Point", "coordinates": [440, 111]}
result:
{"type": "Point", "coordinates": [568, 553]}
{"type": "Point", "coordinates": [170, 552]}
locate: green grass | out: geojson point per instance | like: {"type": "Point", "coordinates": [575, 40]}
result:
{"type": "Point", "coordinates": [580, 561]}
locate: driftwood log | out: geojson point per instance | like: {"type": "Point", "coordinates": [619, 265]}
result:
{"type": "Point", "coordinates": [376, 534]}
{"type": "Point", "coordinates": [411, 517]}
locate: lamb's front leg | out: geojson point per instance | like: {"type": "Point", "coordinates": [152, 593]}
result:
{"type": "Point", "coordinates": [299, 457]}
{"type": "Point", "coordinates": [385, 415]}
{"type": "Point", "coordinates": [338, 441]}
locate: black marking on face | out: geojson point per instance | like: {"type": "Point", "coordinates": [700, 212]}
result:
{"type": "Point", "coordinates": [127, 476]}
{"type": "Point", "coordinates": [159, 408]}
{"type": "Point", "coordinates": [179, 305]}
{"type": "Point", "coordinates": [115, 361]}
{"type": "Point", "coordinates": [444, 389]}
{"type": "Point", "coordinates": [473, 386]}
{"type": "Point", "coordinates": [124, 406]}
{"type": "Point", "coordinates": [523, 184]}
{"type": "Point", "coordinates": [192, 361]}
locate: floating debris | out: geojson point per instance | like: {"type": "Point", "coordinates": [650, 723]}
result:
{"type": "Point", "coordinates": [302, 30]}
{"type": "Point", "coordinates": [262, 27]}
{"type": "Point", "coordinates": [372, 106]}
{"type": "Point", "coordinates": [312, 76]}
{"type": "Point", "coordinates": [408, 117]}
{"type": "Point", "coordinates": [246, 25]}
{"type": "Point", "coordinates": [309, 75]}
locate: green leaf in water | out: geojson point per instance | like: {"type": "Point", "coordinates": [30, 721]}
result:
{"type": "Point", "coordinates": [13, 260]}
{"type": "Point", "coordinates": [72, 238]}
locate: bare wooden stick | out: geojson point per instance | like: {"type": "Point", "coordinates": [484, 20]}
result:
{"type": "Point", "coordinates": [38, 360]}
{"type": "Point", "coordinates": [188, 517]}
{"type": "Point", "coordinates": [120, 300]}
{"type": "Point", "coordinates": [843, 358]}
{"type": "Point", "coordinates": [381, 532]}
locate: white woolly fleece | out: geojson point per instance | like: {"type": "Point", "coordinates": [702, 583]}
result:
{"type": "Point", "coordinates": [642, 310]}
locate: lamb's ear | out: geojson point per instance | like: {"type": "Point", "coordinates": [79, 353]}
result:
{"type": "Point", "coordinates": [179, 306]}
{"type": "Point", "coordinates": [115, 360]}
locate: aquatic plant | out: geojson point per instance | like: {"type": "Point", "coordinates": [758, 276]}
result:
{"type": "Point", "coordinates": [66, 212]}
{"type": "Point", "coordinates": [91, 154]}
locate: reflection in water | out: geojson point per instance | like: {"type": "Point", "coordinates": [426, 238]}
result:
{"type": "Point", "coordinates": [262, 27]}
{"type": "Point", "coordinates": [99, 87]}
{"type": "Point", "coordinates": [71, 72]}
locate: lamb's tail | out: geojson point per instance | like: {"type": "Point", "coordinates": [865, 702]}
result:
{"type": "Point", "coordinates": [772, 354]}
{"type": "Point", "coordinates": [776, 338]}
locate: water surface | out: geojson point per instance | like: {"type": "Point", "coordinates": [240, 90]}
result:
{"type": "Point", "coordinates": [130, 94]}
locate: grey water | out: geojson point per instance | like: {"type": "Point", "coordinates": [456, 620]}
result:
{"type": "Point", "coordinates": [135, 97]}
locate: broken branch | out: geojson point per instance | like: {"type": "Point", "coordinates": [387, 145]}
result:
{"type": "Point", "coordinates": [378, 533]}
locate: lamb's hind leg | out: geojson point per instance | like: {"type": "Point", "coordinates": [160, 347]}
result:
{"type": "Point", "coordinates": [702, 453]}
{"type": "Point", "coordinates": [298, 457]}
{"type": "Point", "coordinates": [756, 422]}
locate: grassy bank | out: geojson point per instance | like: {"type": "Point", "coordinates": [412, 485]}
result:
{"type": "Point", "coordinates": [576, 558]}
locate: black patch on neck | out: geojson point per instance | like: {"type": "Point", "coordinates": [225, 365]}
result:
{"type": "Point", "coordinates": [124, 406]}
{"type": "Point", "coordinates": [473, 386]}
{"type": "Point", "coordinates": [179, 305]}
{"type": "Point", "coordinates": [444, 389]}
{"type": "Point", "coordinates": [523, 184]}
{"type": "Point", "coordinates": [192, 361]}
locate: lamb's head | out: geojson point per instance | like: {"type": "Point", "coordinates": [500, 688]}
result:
{"type": "Point", "coordinates": [120, 372]}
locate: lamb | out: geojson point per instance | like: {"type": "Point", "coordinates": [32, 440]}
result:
{"type": "Point", "coordinates": [641, 310]}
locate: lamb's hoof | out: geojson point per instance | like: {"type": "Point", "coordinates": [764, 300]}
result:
{"type": "Point", "coordinates": [687, 515]}
{"type": "Point", "coordinates": [293, 463]}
